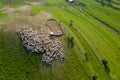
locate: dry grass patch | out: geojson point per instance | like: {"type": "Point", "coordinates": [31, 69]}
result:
{"type": "Point", "coordinates": [9, 10]}
{"type": "Point", "coordinates": [24, 9]}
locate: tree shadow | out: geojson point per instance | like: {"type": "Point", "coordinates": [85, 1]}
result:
{"type": "Point", "coordinates": [105, 64]}
{"type": "Point", "coordinates": [70, 42]}
{"type": "Point", "coordinates": [71, 23]}
{"type": "Point", "coordinates": [77, 4]}
{"type": "Point", "coordinates": [107, 3]}
{"type": "Point", "coordinates": [101, 2]}
{"type": "Point", "coordinates": [115, 2]}
{"type": "Point", "coordinates": [86, 56]}
{"type": "Point", "coordinates": [106, 25]}
{"type": "Point", "coordinates": [47, 65]}
{"type": "Point", "coordinates": [94, 77]}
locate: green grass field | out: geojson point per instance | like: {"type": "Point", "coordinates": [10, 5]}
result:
{"type": "Point", "coordinates": [96, 33]}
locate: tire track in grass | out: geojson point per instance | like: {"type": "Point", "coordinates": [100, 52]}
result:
{"type": "Point", "coordinates": [110, 59]}
{"type": "Point", "coordinates": [112, 41]}
{"type": "Point", "coordinates": [94, 51]}
{"type": "Point", "coordinates": [104, 32]}
{"type": "Point", "coordinates": [113, 65]}
{"type": "Point", "coordinates": [78, 58]}
{"type": "Point", "coordinates": [77, 36]}
{"type": "Point", "coordinates": [102, 22]}
{"type": "Point", "coordinates": [59, 15]}
{"type": "Point", "coordinates": [64, 16]}
{"type": "Point", "coordinates": [81, 32]}
{"type": "Point", "coordinates": [86, 71]}
{"type": "Point", "coordinates": [75, 56]}
{"type": "Point", "coordinates": [90, 49]}
{"type": "Point", "coordinates": [78, 31]}
{"type": "Point", "coordinates": [117, 3]}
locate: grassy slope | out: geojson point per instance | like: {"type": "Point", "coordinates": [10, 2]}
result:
{"type": "Point", "coordinates": [106, 14]}
{"type": "Point", "coordinates": [90, 37]}
{"type": "Point", "coordinates": [103, 44]}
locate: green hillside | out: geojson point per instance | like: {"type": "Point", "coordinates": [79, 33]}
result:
{"type": "Point", "coordinates": [96, 36]}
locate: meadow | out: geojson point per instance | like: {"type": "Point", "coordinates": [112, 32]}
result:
{"type": "Point", "coordinates": [95, 32]}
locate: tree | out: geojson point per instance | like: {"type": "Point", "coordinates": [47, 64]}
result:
{"type": "Point", "coordinates": [105, 64]}
{"type": "Point", "coordinates": [71, 23]}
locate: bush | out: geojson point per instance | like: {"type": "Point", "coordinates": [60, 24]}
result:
{"type": "Point", "coordinates": [105, 64]}
{"type": "Point", "coordinates": [94, 77]}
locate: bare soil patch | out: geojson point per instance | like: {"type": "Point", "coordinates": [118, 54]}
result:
{"type": "Point", "coordinates": [8, 9]}
{"type": "Point", "coordinates": [40, 20]}
{"type": "Point", "coordinates": [54, 26]}
{"type": "Point", "coordinates": [24, 9]}
{"type": "Point", "coordinates": [37, 3]}
{"type": "Point", "coordinates": [37, 22]}
{"type": "Point", "coordinates": [45, 15]}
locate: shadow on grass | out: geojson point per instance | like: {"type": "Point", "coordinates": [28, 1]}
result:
{"type": "Point", "coordinates": [17, 1]}
{"type": "Point", "coordinates": [78, 4]}
{"type": "Point", "coordinates": [107, 25]}
{"type": "Point", "coordinates": [11, 1]}
{"type": "Point", "coordinates": [106, 67]}
{"type": "Point", "coordinates": [30, 53]}
{"type": "Point", "coordinates": [115, 2]}
{"type": "Point", "coordinates": [109, 4]}
{"type": "Point", "coordinates": [70, 42]}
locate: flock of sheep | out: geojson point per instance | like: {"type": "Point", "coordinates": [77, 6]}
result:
{"type": "Point", "coordinates": [33, 41]}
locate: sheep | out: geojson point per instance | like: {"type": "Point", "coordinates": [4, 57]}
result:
{"type": "Point", "coordinates": [40, 42]}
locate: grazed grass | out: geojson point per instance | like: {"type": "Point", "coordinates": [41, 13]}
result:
{"type": "Point", "coordinates": [1, 5]}
{"type": "Point", "coordinates": [16, 5]}
{"type": "Point", "coordinates": [106, 14]}
{"type": "Point", "coordinates": [3, 15]}
{"type": "Point", "coordinates": [35, 10]}
{"type": "Point", "coordinates": [91, 38]}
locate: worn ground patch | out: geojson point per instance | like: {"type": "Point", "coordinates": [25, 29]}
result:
{"type": "Point", "coordinates": [24, 9]}
{"type": "Point", "coordinates": [54, 27]}
{"type": "Point", "coordinates": [40, 20]}
{"type": "Point", "coordinates": [37, 3]}
{"type": "Point", "coordinates": [23, 18]}
{"type": "Point", "coordinates": [8, 9]}
{"type": "Point", "coordinates": [26, 19]}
